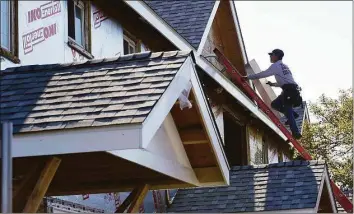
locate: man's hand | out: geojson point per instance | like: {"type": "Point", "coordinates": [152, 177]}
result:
{"type": "Point", "coordinates": [270, 83]}
{"type": "Point", "coordinates": [245, 78]}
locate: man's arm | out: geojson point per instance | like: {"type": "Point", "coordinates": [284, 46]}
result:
{"type": "Point", "coordinates": [269, 72]}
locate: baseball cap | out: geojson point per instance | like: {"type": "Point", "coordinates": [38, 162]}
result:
{"type": "Point", "coordinates": [277, 52]}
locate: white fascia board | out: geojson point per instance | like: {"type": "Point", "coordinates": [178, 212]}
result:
{"type": "Point", "coordinates": [320, 190]}
{"type": "Point", "coordinates": [304, 118]}
{"type": "Point", "coordinates": [150, 16]}
{"type": "Point", "coordinates": [154, 162]}
{"type": "Point", "coordinates": [237, 94]}
{"type": "Point", "coordinates": [307, 210]}
{"type": "Point", "coordinates": [216, 143]}
{"type": "Point", "coordinates": [330, 191]}
{"type": "Point", "coordinates": [76, 141]}
{"type": "Point", "coordinates": [207, 28]}
{"type": "Point", "coordinates": [166, 102]}
{"type": "Point", "coordinates": [238, 31]}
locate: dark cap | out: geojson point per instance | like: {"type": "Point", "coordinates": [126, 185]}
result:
{"type": "Point", "coordinates": [277, 52]}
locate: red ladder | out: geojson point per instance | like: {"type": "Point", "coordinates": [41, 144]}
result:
{"type": "Point", "coordinates": [238, 80]}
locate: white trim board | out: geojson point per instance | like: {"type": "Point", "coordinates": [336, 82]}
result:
{"type": "Point", "coordinates": [208, 27]}
{"type": "Point", "coordinates": [330, 191]}
{"type": "Point", "coordinates": [151, 17]}
{"type": "Point", "coordinates": [307, 210]}
{"type": "Point", "coordinates": [325, 182]}
{"type": "Point", "coordinates": [166, 102]}
{"type": "Point", "coordinates": [320, 190]}
{"type": "Point", "coordinates": [76, 141]}
{"type": "Point", "coordinates": [165, 166]}
{"type": "Point", "coordinates": [210, 126]}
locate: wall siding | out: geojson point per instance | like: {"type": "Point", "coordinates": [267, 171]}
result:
{"type": "Point", "coordinates": [51, 45]}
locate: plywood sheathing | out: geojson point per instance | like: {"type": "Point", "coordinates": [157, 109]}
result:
{"type": "Point", "coordinates": [223, 35]}
{"type": "Point", "coordinates": [193, 135]}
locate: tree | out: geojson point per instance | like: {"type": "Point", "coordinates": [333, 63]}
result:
{"type": "Point", "coordinates": [330, 136]}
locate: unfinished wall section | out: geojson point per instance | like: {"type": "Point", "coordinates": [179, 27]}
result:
{"type": "Point", "coordinates": [223, 35]}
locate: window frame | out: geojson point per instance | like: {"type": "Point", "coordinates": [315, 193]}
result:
{"type": "Point", "coordinates": [130, 38]}
{"type": "Point", "coordinates": [86, 28]}
{"type": "Point", "coordinates": [13, 53]}
{"type": "Point", "coordinates": [131, 43]}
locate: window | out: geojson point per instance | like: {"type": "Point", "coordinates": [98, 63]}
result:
{"type": "Point", "coordinates": [129, 45]}
{"type": "Point", "coordinates": [8, 31]}
{"type": "Point", "coordinates": [79, 26]}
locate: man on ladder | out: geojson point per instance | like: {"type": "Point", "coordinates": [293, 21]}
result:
{"type": "Point", "coordinates": [290, 95]}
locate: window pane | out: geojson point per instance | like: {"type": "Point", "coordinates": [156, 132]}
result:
{"type": "Point", "coordinates": [126, 47]}
{"type": "Point", "coordinates": [131, 48]}
{"type": "Point", "coordinates": [5, 24]}
{"type": "Point", "coordinates": [79, 26]}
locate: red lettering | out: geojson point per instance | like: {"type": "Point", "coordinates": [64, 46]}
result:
{"type": "Point", "coordinates": [53, 29]}
{"type": "Point", "coordinates": [33, 15]}
{"type": "Point", "coordinates": [46, 32]}
{"type": "Point", "coordinates": [44, 11]}
{"type": "Point", "coordinates": [38, 13]}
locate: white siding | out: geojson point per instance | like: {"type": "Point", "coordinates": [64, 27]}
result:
{"type": "Point", "coordinates": [106, 35]}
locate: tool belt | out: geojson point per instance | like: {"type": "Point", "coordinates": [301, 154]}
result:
{"type": "Point", "coordinates": [292, 95]}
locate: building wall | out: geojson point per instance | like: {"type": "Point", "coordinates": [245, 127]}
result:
{"type": "Point", "coordinates": [260, 149]}
{"type": "Point", "coordinates": [52, 47]}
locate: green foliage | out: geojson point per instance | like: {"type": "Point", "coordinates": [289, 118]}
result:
{"type": "Point", "coordinates": [330, 136]}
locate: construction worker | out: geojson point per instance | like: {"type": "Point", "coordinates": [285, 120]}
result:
{"type": "Point", "coordinates": [290, 95]}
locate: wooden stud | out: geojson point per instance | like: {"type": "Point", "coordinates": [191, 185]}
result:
{"type": "Point", "coordinates": [42, 185]}
{"type": "Point", "coordinates": [193, 136]}
{"type": "Point", "coordinates": [167, 198]}
{"type": "Point", "coordinates": [127, 201]}
{"type": "Point", "coordinates": [138, 199]}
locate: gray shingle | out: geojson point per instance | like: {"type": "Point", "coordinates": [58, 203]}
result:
{"type": "Point", "coordinates": [188, 18]}
{"type": "Point", "coordinates": [246, 194]}
{"type": "Point", "coordinates": [99, 92]}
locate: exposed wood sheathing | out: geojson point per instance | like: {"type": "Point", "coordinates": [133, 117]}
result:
{"type": "Point", "coordinates": [223, 36]}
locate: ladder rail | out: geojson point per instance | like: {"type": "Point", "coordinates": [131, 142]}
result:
{"type": "Point", "coordinates": [237, 79]}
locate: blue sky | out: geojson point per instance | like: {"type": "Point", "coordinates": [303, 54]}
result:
{"type": "Point", "coordinates": [316, 37]}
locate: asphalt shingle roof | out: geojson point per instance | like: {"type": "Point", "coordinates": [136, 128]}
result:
{"type": "Point", "coordinates": [299, 120]}
{"type": "Point", "coordinates": [99, 92]}
{"type": "Point", "coordinates": [188, 18]}
{"type": "Point", "coordinates": [281, 186]}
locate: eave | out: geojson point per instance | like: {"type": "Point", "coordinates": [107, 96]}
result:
{"type": "Point", "coordinates": [155, 151]}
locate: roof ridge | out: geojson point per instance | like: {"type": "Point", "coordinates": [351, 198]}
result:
{"type": "Point", "coordinates": [294, 163]}
{"type": "Point", "coordinates": [121, 58]}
